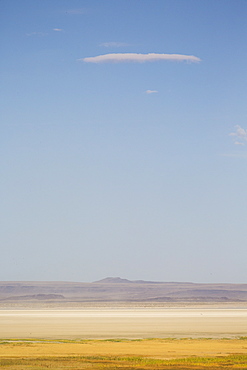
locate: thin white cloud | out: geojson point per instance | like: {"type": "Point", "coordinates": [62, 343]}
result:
{"type": "Point", "coordinates": [139, 58]}
{"type": "Point", "coordinates": [113, 44]}
{"type": "Point", "coordinates": [151, 91]}
{"type": "Point", "coordinates": [57, 29]}
{"type": "Point", "coordinates": [240, 134]}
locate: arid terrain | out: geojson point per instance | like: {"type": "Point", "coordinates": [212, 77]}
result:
{"type": "Point", "coordinates": [117, 324]}
{"type": "Point", "coordinates": [120, 290]}
{"type": "Point", "coordinates": [124, 322]}
{"type": "Point", "coordinates": [119, 308]}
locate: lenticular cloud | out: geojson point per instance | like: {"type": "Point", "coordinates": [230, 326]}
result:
{"type": "Point", "coordinates": [139, 58]}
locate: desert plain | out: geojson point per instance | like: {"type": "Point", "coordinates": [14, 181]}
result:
{"type": "Point", "coordinates": [121, 336]}
{"type": "Point", "coordinates": [125, 321]}
{"type": "Point", "coordinates": [88, 326]}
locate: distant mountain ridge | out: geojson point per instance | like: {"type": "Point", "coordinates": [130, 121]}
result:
{"type": "Point", "coordinates": [118, 280]}
{"type": "Point", "coordinates": [116, 289]}
{"type": "Point", "coordinates": [113, 280]}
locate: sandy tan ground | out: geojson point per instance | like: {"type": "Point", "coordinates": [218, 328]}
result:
{"type": "Point", "coordinates": [124, 323]}
{"type": "Point", "coordinates": [157, 348]}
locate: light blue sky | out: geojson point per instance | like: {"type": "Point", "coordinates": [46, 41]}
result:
{"type": "Point", "coordinates": [123, 168]}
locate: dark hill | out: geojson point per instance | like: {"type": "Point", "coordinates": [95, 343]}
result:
{"type": "Point", "coordinates": [113, 280]}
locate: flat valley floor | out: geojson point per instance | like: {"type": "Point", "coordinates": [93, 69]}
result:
{"type": "Point", "coordinates": [124, 336]}
{"type": "Point", "coordinates": [130, 322]}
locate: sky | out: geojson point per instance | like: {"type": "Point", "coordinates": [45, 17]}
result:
{"type": "Point", "coordinates": [123, 140]}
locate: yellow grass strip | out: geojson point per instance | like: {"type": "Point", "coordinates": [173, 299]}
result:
{"type": "Point", "coordinates": [233, 362]}
{"type": "Point", "coordinates": [155, 348]}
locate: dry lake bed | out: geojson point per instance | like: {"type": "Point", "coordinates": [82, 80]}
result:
{"type": "Point", "coordinates": [124, 322]}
